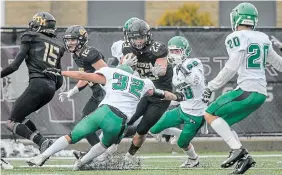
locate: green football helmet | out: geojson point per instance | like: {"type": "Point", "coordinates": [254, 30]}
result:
{"type": "Point", "coordinates": [125, 68]}
{"type": "Point", "coordinates": [182, 45]}
{"type": "Point", "coordinates": [244, 14]}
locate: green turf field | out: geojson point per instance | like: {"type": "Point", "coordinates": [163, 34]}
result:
{"type": "Point", "coordinates": [268, 163]}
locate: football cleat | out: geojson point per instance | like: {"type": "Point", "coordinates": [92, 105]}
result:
{"type": "Point", "coordinates": [37, 160]}
{"type": "Point", "coordinates": [6, 165]}
{"type": "Point", "coordinates": [234, 156]}
{"type": "Point", "coordinates": [77, 165]}
{"type": "Point", "coordinates": [78, 154]}
{"type": "Point", "coordinates": [244, 164]}
{"type": "Point", "coordinates": [190, 163]}
{"type": "Point", "coordinates": [45, 145]}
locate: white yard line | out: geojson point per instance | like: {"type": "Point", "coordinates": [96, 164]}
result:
{"type": "Point", "coordinates": [154, 157]}
{"type": "Point", "coordinates": [151, 168]}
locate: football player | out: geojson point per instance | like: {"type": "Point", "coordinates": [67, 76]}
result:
{"type": "Point", "coordinates": [40, 49]}
{"type": "Point", "coordinates": [248, 51]}
{"type": "Point", "coordinates": [88, 59]}
{"type": "Point", "coordinates": [122, 89]}
{"type": "Point", "coordinates": [151, 62]}
{"type": "Point", "coordinates": [116, 48]}
{"type": "Point", "coordinates": [188, 79]}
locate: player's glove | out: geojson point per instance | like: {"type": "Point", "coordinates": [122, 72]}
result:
{"type": "Point", "coordinates": [206, 95]}
{"type": "Point", "coordinates": [276, 42]}
{"type": "Point", "coordinates": [53, 71]}
{"type": "Point", "coordinates": [64, 95]}
{"type": "Point", "coordinates": [130, 60]}
{"type": "Point", "coordinates": [157, 70]}
{"type": "Point", "coordinates": [180, 96]}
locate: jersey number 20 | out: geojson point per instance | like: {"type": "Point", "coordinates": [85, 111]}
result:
{"type": "Point", "coordinates": [135, 87]}
{"type": "Point", "coordinates": [49, 55]}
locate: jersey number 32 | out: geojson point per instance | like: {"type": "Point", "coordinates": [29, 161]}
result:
{"type": "Point", "coordinates": [135, 86]}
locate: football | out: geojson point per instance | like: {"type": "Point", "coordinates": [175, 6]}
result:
{"type": "Point", "coordinates": [128, 57]}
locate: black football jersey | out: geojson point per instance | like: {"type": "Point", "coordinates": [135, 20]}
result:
{"type": "Point", "coordinates": [147, 58]}
{"type": "Point", "coordinates": [84, 60]}
{"type": "Point", "coordinates": [45, 52]}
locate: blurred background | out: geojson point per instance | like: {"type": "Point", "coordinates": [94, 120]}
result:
{"type": "Point", "coordinates": [204, 23]}
{"type": "Point", "coordinates": [156, 13]}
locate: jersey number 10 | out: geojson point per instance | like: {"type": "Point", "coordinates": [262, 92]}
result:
{"type": "Point", "coordinates": [49, 55]}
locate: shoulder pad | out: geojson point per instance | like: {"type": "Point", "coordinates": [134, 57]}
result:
{"type": "Point", "coordinates": [234, 41]}
{"type": "Point", "coordinates": [159, 49]}
{"type": "Point", "coordinates": [28, 36]}
{"type": "Point", "coordinates": [191, 63]}
{"type": "Point", "coordinates": [126, 48]}
{"type": "Point", "coordinates": [92, 54]}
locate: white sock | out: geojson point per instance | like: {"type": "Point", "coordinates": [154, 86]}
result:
{"type": "Point", "coordinates": [236, 136]}
{"type": "Point", "coordinates": [95, 151]}
{"type": "Point", "coordinates": [172, 131]}
{"type": "Point", "coordinates": [191, 152]}
{"type": "Point", "coordinates": [101, 136]}
{"type": "Point", "coordinates": [223, 130]}
{"type": "Point", "coordinates": [112, 149]}
{"type": "Point", "coordinates": [60, 144]}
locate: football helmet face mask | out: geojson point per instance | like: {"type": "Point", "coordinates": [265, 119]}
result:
{"type": "Point", "coordinates": [75, 38]}
{"type": "Point", "coordinates": [138, 34]}
{"type": "Point", "coordinates": [179, 49]}
{"type": "Point", "coordinates": [43, 22]}
{"type": "Point", "coordinates": [244, 14]}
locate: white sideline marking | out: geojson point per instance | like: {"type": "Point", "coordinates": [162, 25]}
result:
{"type": "Point", "coordinates": [148, 168]}
{"type": "Point", "coordinates": [154, 157]}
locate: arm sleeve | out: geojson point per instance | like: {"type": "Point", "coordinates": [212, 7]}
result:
{"type": "Point", "coordinates": [17, 61]}
{"type": "Point", "coordinates": [116, 49]}
{"type": "Point", "coordinates": [274, 59]}
{"type": "Point", "coordinates": [229, 70]}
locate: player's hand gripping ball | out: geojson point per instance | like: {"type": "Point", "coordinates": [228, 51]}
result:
{"type": "Point", "coordinates": [130, 59]}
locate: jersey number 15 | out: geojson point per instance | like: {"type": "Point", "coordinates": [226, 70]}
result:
{"type": "Point", "coordinates": [49, 55]}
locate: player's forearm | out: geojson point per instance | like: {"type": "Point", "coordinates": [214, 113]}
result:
{"type": "Point", "coordinates": [81, 84]}
{"type": "Point", "coordinates": [275, 60]}
{"type": "Point", "coordinates": [230, 69]}
{"type": "Point", "coordinates": [221, 79]}
{"type": "Point", "coordinates": [163, 63]}
{"type": "Point", "coordinates": [17, 61]}
{"type": "Point", "coordinates": [92, 77]}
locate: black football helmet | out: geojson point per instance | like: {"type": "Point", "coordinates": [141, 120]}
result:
{"type": "Point", "coordinates": [76, 32]}
{"type": "Point", "coordinates": [43, 22]}
{"type": "Point", "coordinates": [139, 34]}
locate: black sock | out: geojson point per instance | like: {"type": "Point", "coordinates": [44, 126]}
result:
{"type": "Point", "coordinates": [38, 139]}
{"type": "Point", "coordinates": [133, 149]}
{"type": "Point", "coordinates": [30, 125]}
{"type": "Point", "coordinates": [22, 130]}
